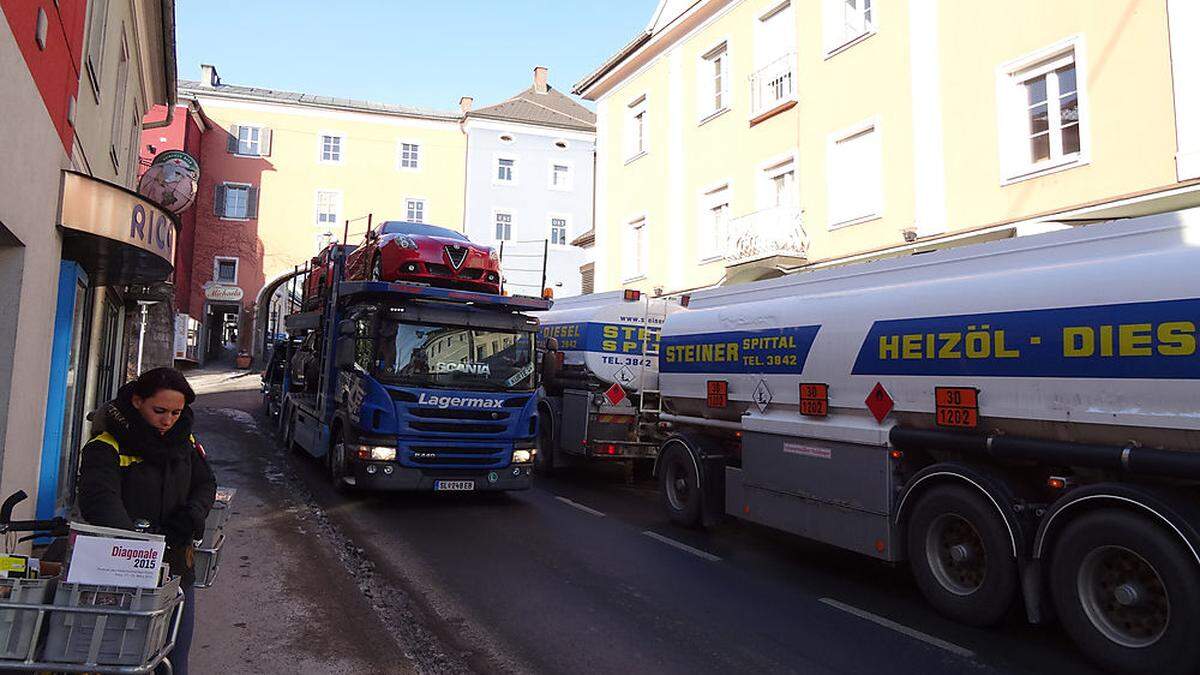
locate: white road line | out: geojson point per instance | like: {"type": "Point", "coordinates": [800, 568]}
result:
{"type": "Point", "coordinates": [579, 506]}
{"type": "Point", "coordinates": [900, 628]}
{"type": "Point", "coordinates": [682, 546]}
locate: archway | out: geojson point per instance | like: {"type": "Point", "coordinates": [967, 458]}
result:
{"type": "Point", "coordinates": [262, 311]}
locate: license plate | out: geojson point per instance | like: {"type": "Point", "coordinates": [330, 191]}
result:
{"type": "Point", "coordinates": [454, 485]}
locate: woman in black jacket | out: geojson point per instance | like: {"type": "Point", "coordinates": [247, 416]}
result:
{"type": "Point", "coordinates": [144, 464]}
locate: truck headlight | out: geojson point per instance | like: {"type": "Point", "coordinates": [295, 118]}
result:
{"type": "Point", "coordinates": [522, 456]}
{"type": "Point", "coordinates": [377, 453]}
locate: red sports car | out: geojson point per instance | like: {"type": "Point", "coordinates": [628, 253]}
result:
{"type": "Point", "coordinates": [402, 251]}
{"type": "Point", "coordinates": [320, 277]}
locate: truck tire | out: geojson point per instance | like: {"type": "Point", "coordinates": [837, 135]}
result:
{"type": "Point", "coordinates": [1127, 593]}
{"type": "Point", "coordinates": [335, 463]}
{"type": "Point", "coordinates": [961, 555]}
{"type": "Point", "coordinates": [679, 484]}
{"type": "Point", "coordinates": [543, 461]}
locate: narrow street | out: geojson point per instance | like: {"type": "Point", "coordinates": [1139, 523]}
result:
{"type": "Point", "coordinates": [581, 574]}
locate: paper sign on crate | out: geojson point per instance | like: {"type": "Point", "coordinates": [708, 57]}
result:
{"type": "Point", "coordinates": [109, 561]}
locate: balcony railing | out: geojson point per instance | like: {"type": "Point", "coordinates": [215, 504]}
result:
{"type": "Point", "coordinates": [773, 85]}
{"type": "Point", "coordinates": [777, 231]}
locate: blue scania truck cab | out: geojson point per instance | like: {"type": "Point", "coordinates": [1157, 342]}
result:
{"type": "Point", "coordinates": [420, 388]}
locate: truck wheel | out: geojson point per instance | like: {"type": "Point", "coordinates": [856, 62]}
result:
{"type": "Point", "coordinates": [543, 461]}
{"type": "Point", "coordinates": [961, 555]}
{"type": "Point", "coordinates": [679, 483]}
{"type": "Point", "coordinates": [1127, 593]}
{"type": "Point", "coordinates": [335, 463]}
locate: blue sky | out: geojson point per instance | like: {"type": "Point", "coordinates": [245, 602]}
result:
{"type": "Point", "coordinates": [412, 52]}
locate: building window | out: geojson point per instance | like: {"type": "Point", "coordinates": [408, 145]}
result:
{"type": "Point", "coordinates": [328, 203]}
{"type": "Point", "coordinates": [855, 175]}
{"type": "Point", "coordinates": [558, 231]}
{"type": "Point", "coordinates": [779, 186]}
{"type": "Point", "coordinates": [225, 270]}
{"type": "Point", "coordinates": [773, 81]}
{"type": "Point", "coordinates": [97, 27]}
{"type": "Point", "coordinates": [331, 148]}
{"type": "Point", "coordinates": [1043, 126]}
{"type": "Point", "coordinates": [560, 176]}
{"type": "Point", "coordinates": [634, 250]}
{"type": "Point", "coordinates": [504, 222]}
{"type": "Point", "coordinates": [414, 210]}
{"type": "Point", "coordinates": [637, 140]}
{"type": "Point", "coordinates": [410, 156]}
{"type": "Point", "coordinates": [714, 81]}
{"type": "Point", "coordinates": [236, 201]}
{"type": "Point", "coordinates": [506, 168]}
{"type": "Point", "coordinates": [116, 137]}
{"type": "Point", "coordinates": [846, 21]}
{"type": "Point", "coordinates": [249, 141]}
{"type": "Point", "coordinates": [587, 281]}
{"type": "Point", "coordinates": [714, 219]}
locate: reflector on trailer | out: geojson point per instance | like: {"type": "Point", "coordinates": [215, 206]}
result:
{"type": "Point", "coordinates": [632, 295]}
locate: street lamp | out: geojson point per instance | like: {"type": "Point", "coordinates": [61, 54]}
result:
{"type": "Point", "coordinates": [145, 304]}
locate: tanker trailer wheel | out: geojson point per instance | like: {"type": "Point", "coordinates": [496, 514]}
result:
{"type": "Point", "coordinates": [543, 461]}
{"type": "Point", "coordinates": [679, 484]}
{"type": "Point", "coordinates": [961, 555]}
{"type": "Point", "coordinates": [1127, 593]}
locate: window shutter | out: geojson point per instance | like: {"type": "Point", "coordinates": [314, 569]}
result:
{"type": "Point", "coordinates": [264, 142]}
{"type": "Point", "coordinates": [252, 203]}
{"type": "Point", "coordinates": [231, 143]}
{"type": "Point", "coordinates": [219, 200]}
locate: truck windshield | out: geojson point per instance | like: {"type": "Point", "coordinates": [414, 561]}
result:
{"type": "Point", "coordinates": [451, 356]}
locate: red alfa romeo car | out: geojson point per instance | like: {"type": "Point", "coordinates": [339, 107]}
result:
{"type": "Point", "coordinates": [402, 251]}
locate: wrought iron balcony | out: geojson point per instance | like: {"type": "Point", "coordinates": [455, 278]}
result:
{"type": "Point", "coordinates": [773, 84]}
{"type": "Point", "coordinates": [777, 231]}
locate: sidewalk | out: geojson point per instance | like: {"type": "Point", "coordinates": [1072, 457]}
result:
{"type": "Point", "coordinates": [282, 602]}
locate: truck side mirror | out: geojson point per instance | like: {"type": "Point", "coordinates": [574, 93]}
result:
{"type": "Point", "coordinates": [343, 352]}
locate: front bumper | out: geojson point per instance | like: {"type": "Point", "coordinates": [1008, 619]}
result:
{"type": "Point", "coordinates": [512, 477]}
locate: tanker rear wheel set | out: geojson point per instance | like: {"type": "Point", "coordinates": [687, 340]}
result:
{"type": "Point", "coordinates": [679, 484]}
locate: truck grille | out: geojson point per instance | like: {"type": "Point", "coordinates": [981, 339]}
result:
{"type": "Point", "coordinates": [424, 455]}
{"type": "Point", "coordinates": [457, 427]}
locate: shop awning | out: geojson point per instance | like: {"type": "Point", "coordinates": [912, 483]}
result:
{"type": "Point", "coordinates": [116, 235]}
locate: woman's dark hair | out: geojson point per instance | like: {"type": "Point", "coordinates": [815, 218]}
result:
{"type": "Point", "coordinates": [153, 381]}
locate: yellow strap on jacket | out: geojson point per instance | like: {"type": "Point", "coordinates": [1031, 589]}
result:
{"type": "Point", "coordinates": [125, 460]}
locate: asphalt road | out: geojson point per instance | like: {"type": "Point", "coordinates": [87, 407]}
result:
{"type": "Point", "coordinates": [583, 574]}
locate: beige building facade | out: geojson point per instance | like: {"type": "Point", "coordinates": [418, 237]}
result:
{"type": "Point", "coordinates": [763, 137]}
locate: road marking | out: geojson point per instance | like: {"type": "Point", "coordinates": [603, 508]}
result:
{"type": "Point", "coordinates": [901, 628]}
{"type": "Point", "coordinates": [682, 546]}
{"type": "Point", "coordinates": [581, 507]}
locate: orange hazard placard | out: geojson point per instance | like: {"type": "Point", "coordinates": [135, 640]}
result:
{"type": "Point", "coordinates": [814, 399]}
{"type": "Point", "coordinates": [957, 406]}
{"type": "Point", "coordinates": [718, 393]}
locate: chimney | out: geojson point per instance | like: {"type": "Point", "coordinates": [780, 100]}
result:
{"type": "Point", "coordinates": [540, 75]}
{"type": "Point", "coordinates": [464, 104]}
{"type": "Point", "coordinates": [208, 76]}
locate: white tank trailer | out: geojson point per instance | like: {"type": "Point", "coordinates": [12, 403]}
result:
{"type": "Point", "coordinates": [603, 402]}
{"type": "Point", "coordinates": [1017, 419]}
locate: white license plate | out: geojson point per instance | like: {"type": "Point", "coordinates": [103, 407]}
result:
{"type": "Point", "coordinates": [454, 485]}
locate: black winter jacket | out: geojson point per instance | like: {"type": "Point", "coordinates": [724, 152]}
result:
{"type": "Point", "coordinates": [158, 475]}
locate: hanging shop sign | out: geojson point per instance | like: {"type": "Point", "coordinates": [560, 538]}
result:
{"type": "Point", "coordinates": [223, 293]}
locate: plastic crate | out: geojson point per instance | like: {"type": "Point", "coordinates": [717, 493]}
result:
{"type": "Point", "coordinates": [215, 524]}
{"type": "Point", "coordinates": [123, 640]}
{"type": "Point", "coordinates": [206, 562]}
{"type": "Point", "coordinates": [17, 626]}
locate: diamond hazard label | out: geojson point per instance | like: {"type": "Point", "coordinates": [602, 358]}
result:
{"type": "Point", "coordinates": [762, 396]}
{"type": "Point", "coordinates": [625, 375]}
{"type": "Point", "coordinates": [615, 394]}
{"type": "Point", "coordinates": [879, 402]}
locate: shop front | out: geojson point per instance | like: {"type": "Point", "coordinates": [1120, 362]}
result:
{"type": "Point", "coordinates": [115, 243]}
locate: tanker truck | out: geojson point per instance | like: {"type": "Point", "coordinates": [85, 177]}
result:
{"type": "Point", "coordinates": [600, 397]}
{"type": "Point", "coordinates": [1018, 421]}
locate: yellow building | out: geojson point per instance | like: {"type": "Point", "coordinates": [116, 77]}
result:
{"type": "Point", "coordinates": [744, 139]}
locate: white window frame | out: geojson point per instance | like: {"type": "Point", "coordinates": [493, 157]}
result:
{"type": "Point", "coordinates": [706, 91]}
{"type": "Point", "coordinates": [260, 127]}
{"type": "Point", "coordinates": [1013, 111]}
{"type": "Point", "coordinates": [710, 244]}
{"type": "Point", "coordinates": [834, 17]}
{"type": "Point", "coordinates": [515, 169]}
{"type": "Point", "coordinates": [424, 209]}
{"type": "Point", "coordinates": [420, 150]}
{"type": "Point", "coordinates": [337, 208]}
{"type": "Point", "coordinates": [239, 186]}
{"type": "Point", "coordinates": [116, 138]}
{"type": "Point", "coordinates": [321, 136]}
{"type": "Point", "coordinates": [637, 106]}
{"type": "Point", "coordinates": [566, 218]}
{"type": "Point", "coordinates": [93, 56]}
{"type": "Point", "coordinates": [768, 171]}
{"type": "Point", "coordinates": [569, 185]}
{"type": "Point", "coordinates": [512, 225]}
{"type": "Point", "coordinates": [633, 267]}
{"type": "Point", "coordinates": [217, 260]}
{"type": "Point", "coordinates": [837, 220]}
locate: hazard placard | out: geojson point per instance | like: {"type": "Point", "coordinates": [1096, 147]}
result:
{"type": "Point", "coordinates": [615, 394]}
{"type": "Point", "coordinates": [957, 406]}
{"type": "Point", "coordinates": [718, 393]}
{"type": "Point", "coordinates": [814, 399]}
{"type": "Point", "coordinates": [879, 402]}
